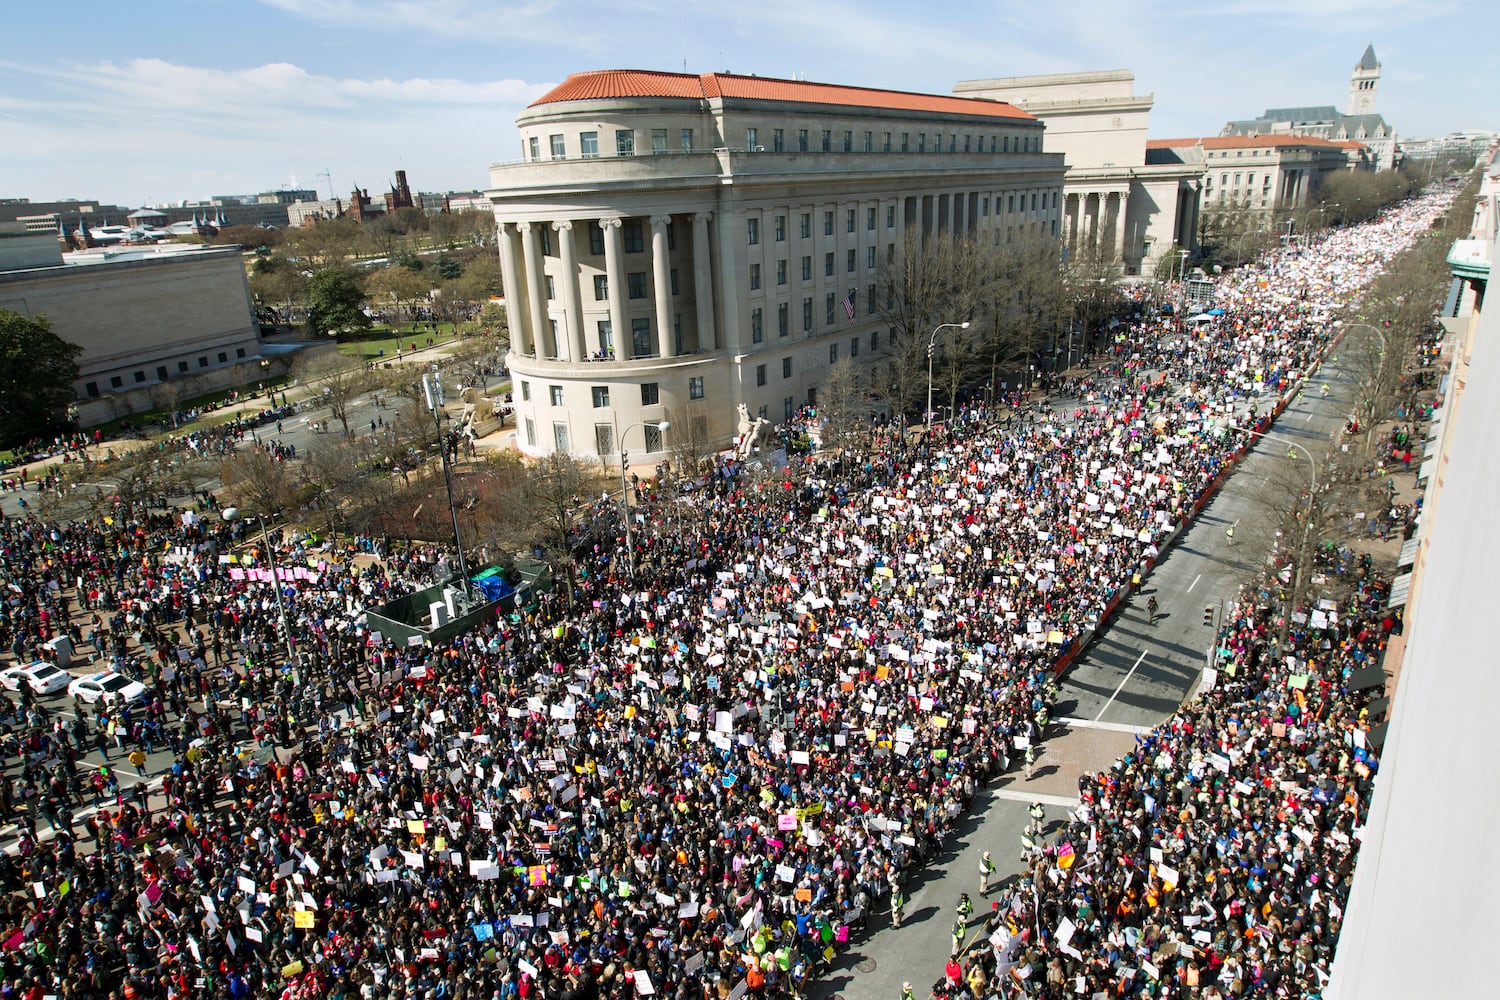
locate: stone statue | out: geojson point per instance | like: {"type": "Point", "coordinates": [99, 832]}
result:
{"type": "Point", "coordinates": [751, 430]}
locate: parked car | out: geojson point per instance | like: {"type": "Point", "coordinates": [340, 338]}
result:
{"type": "Point", "coordinates": [108, 685]}
{"type": "Point", "coordinates": [41, 676]}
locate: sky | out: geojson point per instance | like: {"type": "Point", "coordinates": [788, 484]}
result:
{"type": "Point", "coordinates": [157, 101]}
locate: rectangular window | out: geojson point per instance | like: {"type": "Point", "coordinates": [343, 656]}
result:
{"type": "Point", "coordinates": [752, 139]}
{"type": "Point", "coordinates": [850, 215]}
{"type": "Point", "coordinates": [786, 367]}
{"type": "Point", "coordinates": [850, 258]}
{"type": "Point", "coordinates": [778, 140]}
{"type": "Point", "coordinates": [551, 288]}
{"type": "Point", "coordinates": [182, 366]}
{"type": "Point", "coordinates": [849, 140]}
{"type": "Point", "coordinates": [755, 277]}
{"type": "Point", "coordinates": [560, 437]}
{"type": "Point", "coordinates": [984, 205]}
{"type": "Point", "coordinates": [91, 389]}
{"type": "Point", "coordinates": [806, 225]}
{"type": "Point", "coordinates": [556, 394]}
{"type": "Point", "coordinates": [807, 268]}
{"type": "Point", "coordinates": [601, 287]}
{"type": "Point", "coordinates": [807, 315]}
{"type": "Point", "coordinates": [223, 357]}
{"type": "Point", "coordinates": [870, 219]}
{"type": "Point", "coordinates": [687, 140]}
{"type": "Point", "coordinates": [636, 280]}
{"type": "Point", "coordinates": [890, 217]}
{"type": "Point", "coordinates": [828, 301]}
{"type": "Point", "coordinates": [788, 407]}
{"type": "Point", "coordinates": [547, 248]}
{"type": "Point", "coordinates": [559, 147]}
{"type": "Point", "coordinates": [966, 143]}
{"type": "Point", "coordinates": [671, 235]}
{"type": "Point", "coordinates": [640, 338]}
{"type": "Point", "coordinates": [869, 142]}
{"type": "Point", "coordinates": [530, 432]}
{"type": "Point", "coordinates": [534, 148]}
{"type": "Point", "coordinates": [760, 375]}
{"type": "Point", "coordinates": [650, 393]}
{"type": "Point", "coordinates": [653, 438]}
{"type": "Point", "coordinates": [632, 231]}
{"type": "Point", "coordinates": [780, 228]}
{"type": "Point", "coordinates": [672, 274]}
{"type": "Point", "coordinates": [1005, 144]}
{"type": "Point", "coordinates": [588, 145]}
{"type": "Point", "coordinates": [828, 140]}
{"type": "Point", "coordinates": [161, 372]}
{"type": "Point", "coordinates": [886, 147]}
{"type": "Point", "coordinates": [658, 140]}
{"type": "Point", "coordinates": [525, 391]}
{"type": "Point", "coordinates": [833, 353]}
{"type": "Point", "coordinates": [952, 142]}
{"type": "Point", "coordinates": [781, 272]}
{"type": "Point", "coordinates": [625, 142]}
{"type": "Point", "coordinates": [757, 327]}
{"type": "Point", "coordinates": [752, 231]}
{"type": "Point", "coordinates": [239, 352]}
{"type": "Point", "coordinates": [1033, 201]}
{"type": "Point", "coordinates": [870, 258]}
{"type": "Point", "coordinates": [853, 347]}
{"type": "Point", "coordinates": [606, 339]}
{"type": "Point", "coordinates": [802, 140]}
{"type": "Point", "coordinates": [695, 387]}
{"type": "Point", "coordinates": [116, 381]}
{"type": "Point", "coordinates": [596, 239]}
{"type": "Point", "coordinates": [601, 397]}
{"type": "Point", "coordinates": [202, 363]}
{"type": "Point", "coordinates": [604, 439]}
{"type": "Point", "coordinates": [874, 340]}
{"type": "Point", "coordinates": [828, 265]}
{"type": "Point", "coordinates": [921, 142]}
{"type": "Point", "coordinates": [1010, 203]}
{"type": "Point", "coordinates": [783, 319]}
{"type": "Point", "coordinates": [869, 300]}
{"type": "Point", "coordinates": [763, 412]}
{"type": "Point", "coordinates": [828, 223]}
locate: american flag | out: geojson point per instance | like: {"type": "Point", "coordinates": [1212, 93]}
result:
{"type": "Point", "coordinates": [849, 306]}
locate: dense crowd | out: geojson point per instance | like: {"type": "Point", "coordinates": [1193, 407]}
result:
{"type": "Point", "coordinates": [701, 778]}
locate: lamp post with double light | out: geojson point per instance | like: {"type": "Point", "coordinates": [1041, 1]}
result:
{"type": "Point", "coordinates": [662, 425]}
{"type": "Point", "coordinates": [931, 350]}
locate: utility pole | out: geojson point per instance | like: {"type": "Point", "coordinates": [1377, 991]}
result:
{"type": "Point", "coordinates": [432, 385]}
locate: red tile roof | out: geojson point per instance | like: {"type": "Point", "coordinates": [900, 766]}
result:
{"type": "Point", "coordinates": [1244, 142]}
{"type": "Point", "coordinates": [627, 83]}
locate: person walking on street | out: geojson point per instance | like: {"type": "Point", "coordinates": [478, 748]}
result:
{"type": "Point", "coordinates": [1151, 607]}
{"type": "Point", "coordinates": [906, 993]}
{"type": "Point", "coordinates": [1030, 762]}
{"type": "Point", "coordinates": [986, 869]}
{"type": "Point", "coordinates": [898, 904]}
{"type": "Point", "coordinates": [138, 759]}
{"type": "Point", "coordinates": [960, 929]}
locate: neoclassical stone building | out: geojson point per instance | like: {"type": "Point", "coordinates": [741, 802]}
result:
{"type": "Point", "coordinates": [674, 246]}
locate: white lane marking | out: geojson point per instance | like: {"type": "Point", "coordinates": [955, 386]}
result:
{"type": "Point", "coordinates": [1309, 419]}
{"type": "Point", "coordinates": [1194, 583]}
{"type": "Point", "coordinates": [1061, 801]}
{"type": "Point", "coordinates": [1121, 687]}
{"type": "Point", "coordinates": [1109, 727]}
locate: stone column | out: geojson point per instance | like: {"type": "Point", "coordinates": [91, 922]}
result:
{"type": "Point", "coordinates": [572, 302]}
{"type": "Point", "coordinates": [661, 274]}
{"type": "Point", "coordinates": [614, 270]}
{"type": "Point", "coordinates": [510, 275]}
{"type": "Point", "coordinates": [703, 288]}
{"type": "Point", "coordinates": [960, 216]}
{"type": "Point", "coordinates": [1091, 220]}
{"type": "Point", "coordinates": [536, 288]}
{"type": "Point", "coordinates": [1122, 201]}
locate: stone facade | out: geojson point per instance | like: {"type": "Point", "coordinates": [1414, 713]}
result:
{"type": "Point", "coordinates": [1113, 197]}
{"type": "Point", "coordinates": [144, 318]}
{"type": "Point", "coordinates": [674, 246]}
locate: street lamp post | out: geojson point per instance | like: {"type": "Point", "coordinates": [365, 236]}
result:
{"type": "Point", "coordinates": [432, 383]}
{"type": "Point", "coordinates": [235, 514]}
{"type": "Point", "coordinates": [1312, 471]}
{"type": "Point", "coordinates": [662, 425]}
{"type": "Point", "coordinates": [931, 349]}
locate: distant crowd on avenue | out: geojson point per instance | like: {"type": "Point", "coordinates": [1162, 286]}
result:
{"type": "Point", "coordinates": [713, 775]}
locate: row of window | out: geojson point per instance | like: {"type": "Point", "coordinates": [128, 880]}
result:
{"type": "Point", "coordinates": [828, 142]}
{"type": "Point", "coordinates": [803, 140]}
{"type": "Point", "coordinates": [650, 393]}
{"type": "Point", "coordinates": [91, 389]}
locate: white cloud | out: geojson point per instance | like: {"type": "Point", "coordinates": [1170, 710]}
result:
{"type": "Point", "coordinates": [126, 124]}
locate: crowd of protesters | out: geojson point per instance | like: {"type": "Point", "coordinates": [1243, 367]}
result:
{"type": "Point", "coordinates": [700, 776]}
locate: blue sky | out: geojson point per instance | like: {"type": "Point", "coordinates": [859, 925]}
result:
{"type": "Point", "coordinates": [160, 100]}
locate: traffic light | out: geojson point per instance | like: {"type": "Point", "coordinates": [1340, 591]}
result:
{"type": "Point", "coordinates": [1208, 617]}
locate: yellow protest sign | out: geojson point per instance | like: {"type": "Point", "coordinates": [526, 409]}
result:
{"type": "Point", "coordinates": [304, 919]}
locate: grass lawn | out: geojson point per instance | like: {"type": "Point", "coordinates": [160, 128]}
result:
{"type": "Point", "coordinates": [381, 338]}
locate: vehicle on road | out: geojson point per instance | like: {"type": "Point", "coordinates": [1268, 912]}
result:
{"type": "Point", "coordinates": [41, 677]}
{"type": "Point", "coordinates": [107, 685]}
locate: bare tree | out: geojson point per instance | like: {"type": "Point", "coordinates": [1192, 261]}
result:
{"type": "Point", "coordinates": [843, 408]}
{"type": "Point", "coordinates": [255, 480]}
{"type": "Point", "coordinates": [692, 441]}
{"type": "Point", "coordinates": [546, 502]}
{"type": "Point", "coordinates": [401, 286]}
{"type": "Point", "coordinates": [337, 380]}
{"type": "Point", "coordinates": [1030, 303]}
